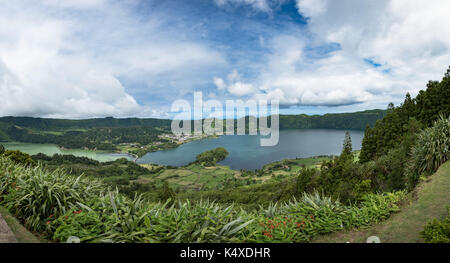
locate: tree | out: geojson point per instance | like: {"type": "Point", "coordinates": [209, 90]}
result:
{"type": "Point", "coordinates": [166, 193]}
{"type": "Point", "coordinates": [211, 157]}
{"type": "Point", "coordinates": [2, 149]}
{"type": "Point", "coordinates": [347, 146]}
{"type": "Point", "coordinates": [368, 146]}
{"type": "Point", "coordinates": [305, 180]}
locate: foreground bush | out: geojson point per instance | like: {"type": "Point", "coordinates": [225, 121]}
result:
{"type": "Point", "coordinates": [300, 221]}
{"type": "Point", "coordinates": [35, 195]}
{"type": "Point", "coordinates": [19, 157]}
{"type": "Point", "coordinates": [437, 231]}
{"type": "Point", "coordinates": [431, 150]}
{"type": "Point", "coordinates": [61, 206]}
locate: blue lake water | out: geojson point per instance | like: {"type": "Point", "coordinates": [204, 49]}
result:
{"type": "Point", "coordinates": [246, 152]}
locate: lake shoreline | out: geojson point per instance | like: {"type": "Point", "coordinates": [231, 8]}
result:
{"type": "Point", "coordinates": [51, 149]}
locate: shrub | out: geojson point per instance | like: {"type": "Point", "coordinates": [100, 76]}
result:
{"type": "Point", "coordinates": [86, 225]}
{"type": "Point", "coordinates": [19, 157]}
{"type": "Point", "coordinates": [432, 149]}
{"type": "Point", "coordinates": [437, 231]}
{"type": "Point", "coordinates": [35, 195]}
{"type": "Point", "coordinates": [315, 214]}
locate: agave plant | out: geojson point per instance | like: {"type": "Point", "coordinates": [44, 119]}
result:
{"type": "Point", "coordinates": [271, 210]}
{"type": "Point", "coordinates": [431, 150]}
{"type": "Point", "coordinates": [35, 194]}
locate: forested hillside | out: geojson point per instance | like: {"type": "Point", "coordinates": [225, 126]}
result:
{"type": "Point", "coordinates": [411, 115]}
{"type": "Point", "coordinates": [355, 120]}
{"type": "Point", "coordinates": [47, 124]}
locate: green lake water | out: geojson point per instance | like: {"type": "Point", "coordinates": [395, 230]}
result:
{"type": "Point", "coordinates": [51, 149]}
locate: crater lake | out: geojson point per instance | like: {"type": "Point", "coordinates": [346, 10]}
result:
{"type": "Point", "coordinates": [245, 151]}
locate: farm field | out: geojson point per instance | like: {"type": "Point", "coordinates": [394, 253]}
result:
{"type": "Point", "coordinates": [198, 177]}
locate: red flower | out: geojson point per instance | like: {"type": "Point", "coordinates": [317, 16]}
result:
{"type": "Point", "coordinates": [267, 234]}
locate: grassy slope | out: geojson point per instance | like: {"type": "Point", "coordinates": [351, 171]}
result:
{"type": "Point", "coordinates": [21, 233]}
{"type": "Point", "coordinates": [428, 201]}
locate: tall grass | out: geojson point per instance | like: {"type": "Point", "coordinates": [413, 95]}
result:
{"type": "Point", "coordinates": [35, 195]}
{"type": "Point", "coordinates": [61, 206]}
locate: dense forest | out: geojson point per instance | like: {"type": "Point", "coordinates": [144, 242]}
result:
{"type": "Point", "coordinates": [355, 120]}
{"type": "Point", "coordinates": [95, 138]}
{"type": "Point", "coordinates": [47, 124]}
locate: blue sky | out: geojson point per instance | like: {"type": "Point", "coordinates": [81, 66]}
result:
{"type": "Point", "coordinates": [94, 58]}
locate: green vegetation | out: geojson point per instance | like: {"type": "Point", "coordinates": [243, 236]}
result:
{"type": "Point", "coordinates": [105, 139]}
{"type": "Point", "coordinates": [425, 109]}
{"type": "Point", "coordinates": [429, 200]}
{"type": "Point", "coordinates": [210, 158]}
{"type": "Point", "coordinates": [121, 173]}
{"type": "Point", "coordinates": [60, 205]}
{"type": "Point", "coordinates": [19, 157]}
{"type": "Point", "coordinates": [44, 124]}
{"type": "Point", "coordinates": [351, 121]}
{"type": "Point", "coordinates": [430, 151]}
{"type": "Point", "coordinates": [437, 231]}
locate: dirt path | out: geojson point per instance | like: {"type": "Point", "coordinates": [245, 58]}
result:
{"type": "Point", "coordinates": [6, 235]}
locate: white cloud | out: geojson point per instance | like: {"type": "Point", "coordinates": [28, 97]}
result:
{"type": "Point", "coordinates": [410, 40]}
{"type": "Point", "coordinates": [310, 8]}
{"type": "Point", "coordinates": [55, 63]}
{"type": "Point", "coordinates": [74, 3]}
{"type": "Point", "coordinates": [220, 84]}
{"type": "Point", "coordinates": [235, 86]}
{"type": "Point", "coordinates": [241, 89]}
{"type": "Point", "coordinates": [261, 5]}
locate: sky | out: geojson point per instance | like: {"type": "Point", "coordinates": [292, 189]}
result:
{"type": "Point", "coordinates": [134, 58]}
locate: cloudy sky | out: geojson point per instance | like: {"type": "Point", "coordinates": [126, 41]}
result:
{"type": "Point", "coordinates": [93, 58]}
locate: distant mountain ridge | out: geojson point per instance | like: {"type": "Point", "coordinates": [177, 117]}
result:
{"type": "Point", "coordinates": [352, 120]}
{"type": "Point", "coordinates": [64, 124]}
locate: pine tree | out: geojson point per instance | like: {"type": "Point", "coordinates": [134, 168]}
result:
{"type": "Point", "coordinates": [347, 147]}
{"type": "Point", "coordinates": [368, 146]}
